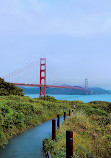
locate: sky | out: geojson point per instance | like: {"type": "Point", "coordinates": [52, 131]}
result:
{"type": "Point", "coordinates": [74, 36]}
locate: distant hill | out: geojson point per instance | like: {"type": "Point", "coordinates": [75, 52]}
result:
{"type": "Point", "coordinates": [98, 90]}
{"type": "Point", "coordinates": [9, 89]}
{"type": "Point", "coordinates": [94, 90]}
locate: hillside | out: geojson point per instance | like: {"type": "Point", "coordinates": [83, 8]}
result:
{"type": "Point", "coordinates": [91, 128]}
{"type": "Point", "coordinates": [18, 114]}
{"type": "Point", "coordinates": [95, 90]}
{"type": "Point", "coordinates": [98, 90]}
{"type": "Point", "coordinates": [9, 89]}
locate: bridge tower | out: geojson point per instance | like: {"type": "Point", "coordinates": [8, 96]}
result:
{"type": "Point", "coordinates": [86, 86]}
{"type": "Point", "coordinates": [42, 91]}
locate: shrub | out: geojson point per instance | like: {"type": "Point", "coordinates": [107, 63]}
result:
{"type": "Point", "coordinates": [90, 111]}
{"type": "Point", "coordinates": [48, 98]}
{"type": "Point", "coordinates": [9, 89]}
{"type": "Point", "coordinates": [3, 139]}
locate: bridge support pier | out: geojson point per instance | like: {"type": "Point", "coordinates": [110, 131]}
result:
{"type": "Point", "coordinates": [86, 86]}
{"type": "Point", "coordinates": [42, 91]}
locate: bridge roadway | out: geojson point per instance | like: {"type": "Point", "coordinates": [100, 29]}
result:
{"type": "Point", "coordinates": [47, 86]}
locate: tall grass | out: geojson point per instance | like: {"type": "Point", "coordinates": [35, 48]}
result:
{"type": "Point", "coordinates": [18, 114]}
{"type": "Point", "coordinates": [92, 131]}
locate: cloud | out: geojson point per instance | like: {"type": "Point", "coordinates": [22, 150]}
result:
{"type": "Point", "coordinates": [34, 17]}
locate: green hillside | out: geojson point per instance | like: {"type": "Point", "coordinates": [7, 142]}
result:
{"type": "Point", "coordinates": [91, 126]}
{"type": "Point", "coordinates": [18, 114]}
{"type": "Point", "coordinates": [9, 89]}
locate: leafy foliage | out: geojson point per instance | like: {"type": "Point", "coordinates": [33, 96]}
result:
{"type": "Point", "coordinates": [91, 128]}
{"type": "Point", "coordinates": [9, 89]}
{"type": "Point", "coordinates": [20, 113]}
{"type": "Point", "coordinates": [48, 98]}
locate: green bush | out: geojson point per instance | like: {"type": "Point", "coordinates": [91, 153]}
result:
{"type": "Point", "coordinates": [3, 139]}
{"type": "Point", "coordinates": [91, 127]}
{"type": "Point", "coordinates": [48, 98]}
{"type": "Point", "coordinates": [20, 113]}
{"type": "Point", "coordinates": [100, 112]}
{"type": "Point", "coordinates": [9, 89]}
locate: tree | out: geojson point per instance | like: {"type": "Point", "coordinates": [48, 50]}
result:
{"type": "Point", "coordinates": [9, 89]}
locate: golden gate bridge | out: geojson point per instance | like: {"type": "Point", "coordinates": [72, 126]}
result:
{"type": "Point", "coordinates": [42, 79]}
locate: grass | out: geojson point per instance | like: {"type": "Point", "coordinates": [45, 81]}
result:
{"type": "Point", "coordinates": [91, 130]}
{"type": "Point", "coordinates": [19, 113]}
{"type": "Point", "coordinates": [90, 123]}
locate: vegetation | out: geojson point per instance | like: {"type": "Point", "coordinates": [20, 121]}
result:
{"type": "Point", "coordinates": [90, 122]}
{"type": "Point", "coordinates": [9, 89]}
{"type": "Point", "coordinates": [18, 114]}
{"type": "Point", "coordinates": [91, 128]}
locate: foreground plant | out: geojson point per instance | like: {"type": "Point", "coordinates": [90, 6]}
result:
{"type": "Point", "coordinates": [92, 131]}
{"type": "Point", "coordinates": [18, 114]}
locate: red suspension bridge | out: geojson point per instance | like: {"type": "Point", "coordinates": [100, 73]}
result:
{"type": "Point", "coordinates": [42, 85]}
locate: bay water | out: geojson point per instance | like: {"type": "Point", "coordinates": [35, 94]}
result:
{"type": "Point", "coordinates": [84, 98]}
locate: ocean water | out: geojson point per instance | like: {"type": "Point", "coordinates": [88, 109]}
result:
{"type": "Point", "coordinates": [84, 98]}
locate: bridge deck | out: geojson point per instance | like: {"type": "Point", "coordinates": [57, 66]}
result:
{"type": "Point", "coordinates": [48, 86]}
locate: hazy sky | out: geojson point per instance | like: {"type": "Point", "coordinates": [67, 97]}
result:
{"type": "Point", "coordinates": [74, 35]}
